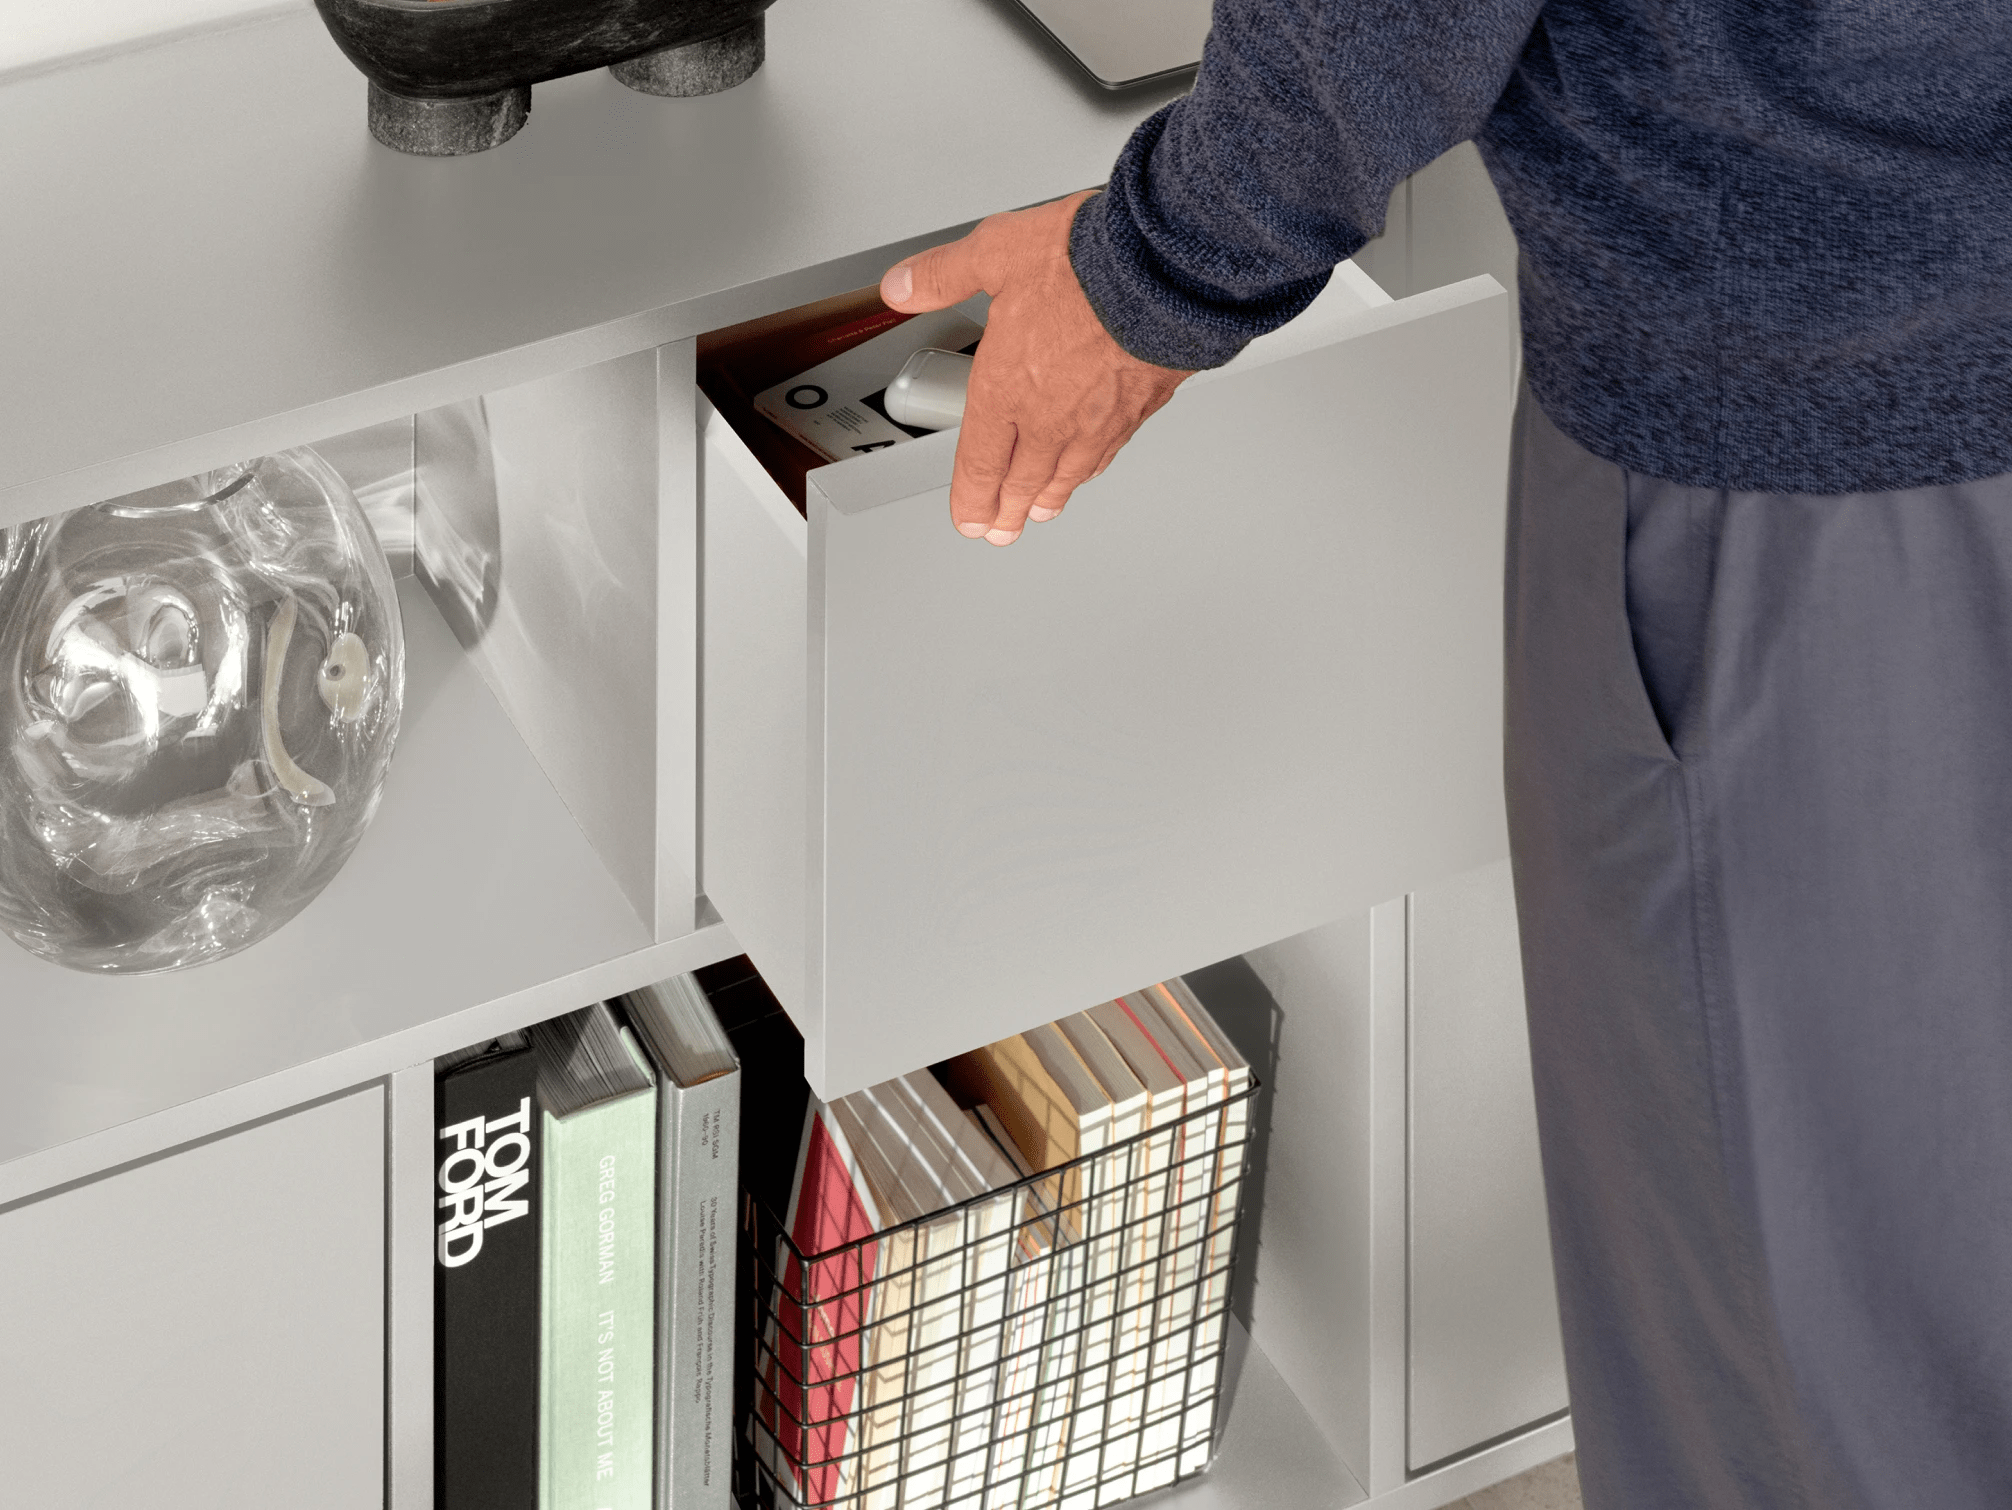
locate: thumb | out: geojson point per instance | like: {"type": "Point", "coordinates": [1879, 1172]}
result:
{"type": "Point", "coordinates": [935, 279]}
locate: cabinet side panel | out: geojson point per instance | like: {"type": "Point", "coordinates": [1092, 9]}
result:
{"type": "Point", "coordinates": [751, 856]}
{"type": "Point", "coordinates": [1387, 256]}
{"type": "Point", "coordinates": [1485, 1351]}
{"type": "Point", "coordinates": [1456, 225]}
{"type": "Point", "coordinates": [206, 1329]}
{"type": "Point", "coordinates": [537, 536]}
{"type": "Point", "coordinates": [1248, 683]}
{"type": "Point", "coordinates": [1389, 1296]}
{"type": "Point", "coordinates": [677, 701]}
{"type": "Point", "coordinates": [410, 1219]}
{"type": "Point", "coordinates": [1310, 1304]}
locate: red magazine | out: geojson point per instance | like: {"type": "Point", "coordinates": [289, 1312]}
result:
{"type": "Point", "coordinates": [827, 1270]}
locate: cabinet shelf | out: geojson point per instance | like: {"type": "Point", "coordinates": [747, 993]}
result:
{"type": "Point", "coordinates": [473, 904]}
{"type": "Point", "coordinates": [222, 262]}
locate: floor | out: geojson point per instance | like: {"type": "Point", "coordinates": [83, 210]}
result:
{"type": "Point", "coordinates": [1548, 1486]}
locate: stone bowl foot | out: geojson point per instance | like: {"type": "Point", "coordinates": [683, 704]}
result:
{"type": "Point", "coordinates": [447, 128]}
{"type": "Point", "coordinates": [698, 67]}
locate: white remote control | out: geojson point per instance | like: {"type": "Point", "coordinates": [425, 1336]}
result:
{"type": "Point", "coordinates": [928, 393]}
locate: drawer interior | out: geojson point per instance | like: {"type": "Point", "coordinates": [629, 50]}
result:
{"type": "Point", "coordinates": [740, 361]}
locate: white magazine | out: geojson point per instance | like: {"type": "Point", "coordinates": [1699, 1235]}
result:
{"type": "Point", "coordinates": [827, 407]}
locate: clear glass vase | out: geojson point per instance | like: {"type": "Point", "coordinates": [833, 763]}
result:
{"type": "Point", "coordinates": [200, 687]}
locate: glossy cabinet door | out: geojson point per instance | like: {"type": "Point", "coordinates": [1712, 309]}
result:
{"type": "Point", "coordinates": [1247, 682]}
{"type": "Point", "coordinates": [1485, 1353]}
{"type": "Point", "coordinates": [205, 1330]}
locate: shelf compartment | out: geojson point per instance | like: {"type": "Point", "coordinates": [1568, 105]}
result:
{"type": "Point", "coordinates": [555, 527]}
{"type": "Point", "coordinates": [538, 817]}
{"type": "Point", "coordinates": [1248, 682]}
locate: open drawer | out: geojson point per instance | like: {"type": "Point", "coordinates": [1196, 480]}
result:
{"type": "Point", "coordinates": [1248, 681]}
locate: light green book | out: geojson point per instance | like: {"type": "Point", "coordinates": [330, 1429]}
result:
{"type": "Point", "coordinates": [698, 1169]}
{"type": "Point", "coordinates": [598, 1244]}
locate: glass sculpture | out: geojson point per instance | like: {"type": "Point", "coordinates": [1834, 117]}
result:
{"type": "Point", "coordinates": [200, 687]}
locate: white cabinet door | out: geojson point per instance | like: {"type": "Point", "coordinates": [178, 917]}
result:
{"type": "Point", "coordinates": [1248, 682]}
{"type": "Point", "coordinates": [1484, 1347]}
{"type": "Point", "coordinates": [204, 1331]}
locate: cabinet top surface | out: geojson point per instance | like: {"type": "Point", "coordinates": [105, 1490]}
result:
{"type": "Point", "coordinates": [206, 254]}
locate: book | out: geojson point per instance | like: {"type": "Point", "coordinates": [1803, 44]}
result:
{"type": "Point", "coordinates": [1048, 1101]}
{"type": "Point", "coordinates": [597, 1386]}
{"type": "Point", "coordinates": [1180, 1001]}
{"type": "Point", "coordinates": [879, 1446]}
{"type": "Point", "coordinates": [988, 1238]}
{"type": "Point", "coordinates": [968, 1287]}
{"type": "Point", "coordinates": [1205, 1083]}
{"type": "Point", "coordinates": [1116, 1194]}
{"type": "Point", "coordinates": [826, 1269]}
{"type": "Point", "coordinates": [1140, 1456]}
{"type": "Point", "coordinates": [960, 1270]}
{"type": "Point", "coordinates": [1184, 1369]}
{"type": "Point", "coordinates": [698, 1170]}
{"type": "Point", "coordinates": [1041, 1325]}
{"type": "Point", "coordinates": [916, 1348]}
{"type": "Point", "coordinates": [776, 1096]}
{"type": "Point", "coordinates": [485, 1278]}
{"type": "Point", "coordinates": [1081, 1295]}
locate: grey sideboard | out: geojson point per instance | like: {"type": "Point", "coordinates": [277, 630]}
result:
{"type": "Point", "coordinates": [1221, 719]}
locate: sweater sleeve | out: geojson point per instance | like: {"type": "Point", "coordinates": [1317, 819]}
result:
{"type": "Point", "coordinates": [1228, 210]}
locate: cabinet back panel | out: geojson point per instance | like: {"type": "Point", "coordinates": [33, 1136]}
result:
{"type": "Point", "coordinates": [537, 531]}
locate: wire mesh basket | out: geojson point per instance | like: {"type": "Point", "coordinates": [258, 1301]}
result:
{"type": "Point", "coordinates": [1057, 1342]}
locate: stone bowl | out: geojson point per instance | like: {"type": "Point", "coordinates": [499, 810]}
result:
{"type": "Point", "coordinates": [449, 77]}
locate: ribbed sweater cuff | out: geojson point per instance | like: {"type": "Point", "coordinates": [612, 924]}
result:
{"type": "Point", "coordinates": [1149, 306]}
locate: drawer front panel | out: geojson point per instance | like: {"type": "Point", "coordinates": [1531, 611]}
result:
{"type": "Point", "coordinates": [206, 1329]}
{"type": "Point", "coordinates": [1250, 681]}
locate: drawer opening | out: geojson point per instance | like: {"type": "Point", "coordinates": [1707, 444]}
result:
{"type": "Point", "coordinates": [537, 816]}
{"type": "Point", "coordinates": [738, 363]}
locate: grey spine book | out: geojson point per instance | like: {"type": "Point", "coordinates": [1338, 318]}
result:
{"type": "Point", "coordinates": [698, 1123]}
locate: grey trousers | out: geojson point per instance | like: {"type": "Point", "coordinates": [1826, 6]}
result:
{"type": "Point", "coordinates": [1759, 764]}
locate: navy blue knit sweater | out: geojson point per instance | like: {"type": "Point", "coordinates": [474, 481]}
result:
{"type": "Point", "coordinates": [1766, 244]}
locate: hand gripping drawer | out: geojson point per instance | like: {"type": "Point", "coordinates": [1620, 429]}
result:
{"type": "Point", "coordinates": [1248, 681]}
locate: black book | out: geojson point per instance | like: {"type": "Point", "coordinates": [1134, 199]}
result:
{"type": "Point", "coordinates": [485, 1278]}
{"type": "Point", "coordinates": [774, 1099]}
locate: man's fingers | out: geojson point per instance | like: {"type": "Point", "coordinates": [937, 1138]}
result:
{"type": "Point", "coordinates": [985, 447]}
{"type": "Point", "coordinates": [935, 279]}
{"type": "Point", "coordinates": [1050, 386]}
{"type": "Point", "coordinates": [1081, 461]}
{"type": "Point", "coordinates": [1027, 478]}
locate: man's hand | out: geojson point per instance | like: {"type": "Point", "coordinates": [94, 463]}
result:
{"type": "Point", "coordinates": [1052, 396]}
